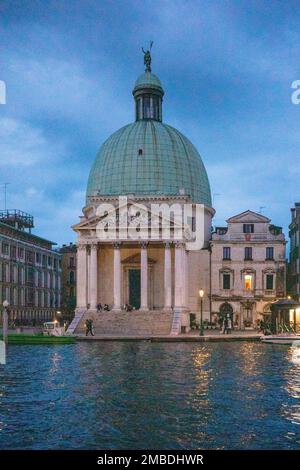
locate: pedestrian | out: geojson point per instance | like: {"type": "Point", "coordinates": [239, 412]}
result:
{"type": "Point", "coordinates": [89, 328]}
{"type": "Point", "coordinates": [225, 326]}
{"type": "Point", "coordinates": [99, 308]}
{"type": "Point", "coordinates": [229, 325]}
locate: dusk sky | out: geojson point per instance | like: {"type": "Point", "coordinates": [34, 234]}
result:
{"type": "Point", "coordinates": [226, 67]}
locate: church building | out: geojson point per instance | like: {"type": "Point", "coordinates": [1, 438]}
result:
{"type": "Point", "coordinates": [144, 164]}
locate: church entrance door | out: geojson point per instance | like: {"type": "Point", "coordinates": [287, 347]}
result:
{"type": "Point", "coordinates": [134, 276]}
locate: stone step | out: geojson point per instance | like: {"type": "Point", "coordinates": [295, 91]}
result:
{"type": "Point", "coordinates": [76, 320]}
{"type": "Point", "coordinates": [128, 323]}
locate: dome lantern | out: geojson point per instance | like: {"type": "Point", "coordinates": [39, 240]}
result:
{"type": "Point", "coordinates": [149, 158]}
{"type": "Point", "coordinates": [148, 93]}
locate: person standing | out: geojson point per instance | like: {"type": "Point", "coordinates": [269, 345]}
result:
{"type": "Point", "coordinates": [225, 326]}
{"type": "Point", "coordinates": [89, 327]}
{"type": "Point", "coordinates": [229, 325]}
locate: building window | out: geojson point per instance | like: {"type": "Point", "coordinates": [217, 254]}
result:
{"type": "Point", "coordinates": [4, 272]}
{"type": "Point", "coordinates": [269, 281]}
{"type": "Point", "coordinates": [248, 228]}
{"type": "Point", "coordinates": [5, 248]}
{"type": "Point", "coordinates": [30, 275]}
{"type": "Point", "coordinates": [270, 252]}
{"type": "Point", "coordinates": [29, 257]}
{"type": "Point", "coordinates": [13, 252]}
{"type": "Point", "coordinates": [21, 253]}
{"type": "Point", "coordinates": [20, 275]}
{"type": "Point", "coordinates": [248, 281]}
{"type": "Point", "coordinates": [226, 281]}
{"type": "Point", "coordinates": [248, 253]}
{"type": "Point", "coordinates": [45, 280]}
{"type": "Point", "coordinates": [49, 261]}
{"type": "Point", "coordinates": [38, 258]}
{"type": "Point", "coordinates": [226, 252]}
{"type": "Point", "coordinates": [72, 277]}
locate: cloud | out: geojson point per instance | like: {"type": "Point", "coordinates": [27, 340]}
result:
{"type": "Point", "coordinates": [226, 69]}
{"type": "Point", "coordinates": [40, 181]}
{"type": "Point", "coordinates": [22, 145]}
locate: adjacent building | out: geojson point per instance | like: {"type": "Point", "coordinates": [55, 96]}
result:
{"type": "Point", "coordinates": [68, 280]}
{"type": "Point", "coordinates": [30, 269]}
{"type": "Point", "coordinates": [248, 268]}
{"type": "Point", "coordinates": [294, 256]}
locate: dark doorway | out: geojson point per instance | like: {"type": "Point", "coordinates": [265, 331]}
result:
{"type": "Point", "coordinates": [226, 310]}
{"type": "Point", "coordinates": [135, 287]}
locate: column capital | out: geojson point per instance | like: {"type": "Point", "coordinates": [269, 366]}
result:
{"type": "Point", "coordinates": [179, 244]}
{"type": "Point", "coordinates": [81, 246]}
{"type": "Point", "coordinates": [168, 244]}
{"type": "Point", "coordinates": [94, 245]}
{"type": "Point", "coordinates": [117, 245]}
{"type": "Point", "coordinates": [144, 245]}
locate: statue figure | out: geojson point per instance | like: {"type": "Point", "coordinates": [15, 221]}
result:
{"type": "Point", "coordinates": [147, 58]}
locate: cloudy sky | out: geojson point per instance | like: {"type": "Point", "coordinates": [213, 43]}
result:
{"type": "Point", "coordinates": [227, 69]}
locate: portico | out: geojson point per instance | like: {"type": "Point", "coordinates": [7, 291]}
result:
{"type": "Point", "coordinates": [167, 268]}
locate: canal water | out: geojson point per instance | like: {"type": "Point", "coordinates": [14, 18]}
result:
{"type": "Point", "coordinates": [118, 395]}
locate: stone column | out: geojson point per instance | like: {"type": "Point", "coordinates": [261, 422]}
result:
{"type": "Point", "coordinates": [117, 276]}
{"type": "Point", "coordinates": [144, 276]}
{"type": "Point", "coordinates": [179, 274]}
{"type": "Point", "coordinates": [94, 276]}
{"type": "Point", "coordinates": [168, 277]}
{"type": "Point", "coordinates": [185, 277]}
{"type": "Point", "coordinates": [81, 276]}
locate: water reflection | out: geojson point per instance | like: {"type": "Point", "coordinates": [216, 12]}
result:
{"type": "Point", "coordinates": [144, 395]}
{"type": "Point", "coordinates": [291, 409]}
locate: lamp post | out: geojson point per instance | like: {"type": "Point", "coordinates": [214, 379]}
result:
{"type": "Point", "coordinates": [201, 294]}
{"type": "Point", "coordinates": [5, 321]}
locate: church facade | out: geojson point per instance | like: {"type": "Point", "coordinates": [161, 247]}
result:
{"type": "Point", "coordinates": [143, 238]}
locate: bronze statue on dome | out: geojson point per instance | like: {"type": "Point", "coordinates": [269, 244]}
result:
{"type": "Point", "coordinates": [147, 57]}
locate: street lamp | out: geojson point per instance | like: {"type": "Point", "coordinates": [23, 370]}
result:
{"type": "Point", "coordinates": [5, 321]}
{"type": "Point", "coordinates": [201, 294]}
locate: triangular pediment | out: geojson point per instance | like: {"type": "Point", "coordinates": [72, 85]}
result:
{"type": "Point", "coordinates": [248, 217]}
{"type": "Point", "coordinates": [139, 211]}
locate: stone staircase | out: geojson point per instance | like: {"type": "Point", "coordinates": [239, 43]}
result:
{"type": "Point", "coordinates": [76, 320]}
{"type": "Point", "coordinates": [135, 323]}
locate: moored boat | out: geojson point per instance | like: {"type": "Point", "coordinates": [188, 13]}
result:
{"type": "Point", "coordinates": [52, 334]}
{"type": "Point", "coordinates": [283, 338]}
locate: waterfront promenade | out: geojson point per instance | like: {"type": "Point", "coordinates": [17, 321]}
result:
{"type": "Point", "coordinates": [192, 337]}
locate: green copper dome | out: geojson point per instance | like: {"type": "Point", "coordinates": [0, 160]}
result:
{"type": "Point", "coordinates": [148, 157]}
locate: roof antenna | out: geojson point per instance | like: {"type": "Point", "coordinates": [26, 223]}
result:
{"type": "Point", "coordinates": [261, 209]}
{"type": "Point", "coordinates": [5, 194]}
